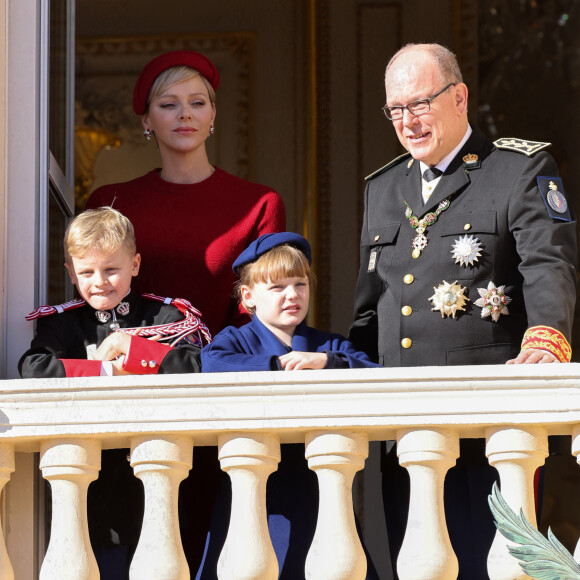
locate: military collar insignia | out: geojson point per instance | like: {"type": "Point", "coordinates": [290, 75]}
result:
{"type": "Point", "coordinates": [390, 164]}
{"type": "Point", "coordinates": [471, 161]}
{"type": "Point", "coordinates": [123, 308]}
{"type": "Point", "coordinates": [493, 301]}
{"type": "Point", "coordinates": [520, 146]}
{"type": "Point", "coordinates": [449, 298]}
{"type": "Point", "coordinates": [102, 316]}
{"type": "Point", "coordinates": [552, 191]}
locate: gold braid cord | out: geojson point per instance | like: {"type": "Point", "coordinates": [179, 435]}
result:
{"type": "Point", "coordinates": [549, 339]}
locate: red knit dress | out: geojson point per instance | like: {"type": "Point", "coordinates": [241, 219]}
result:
{"type": "Point", "coordinates": [190, 234]}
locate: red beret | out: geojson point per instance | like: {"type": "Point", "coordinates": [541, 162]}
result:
{"type": "Point", "coordinates": [155, 67]}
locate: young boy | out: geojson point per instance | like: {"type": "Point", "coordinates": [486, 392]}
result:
{"type": "Point", "coordinates": [111, 330]}
{"type": "Point", "coordinates": [274, 286]}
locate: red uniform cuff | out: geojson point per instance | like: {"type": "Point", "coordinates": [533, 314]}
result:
{"type": "Point", "coordinates": [145, 356]}
{"type": "Point", "coordinates": [78, 367]}
{"type": "Point", "coordinates": [548, 339]}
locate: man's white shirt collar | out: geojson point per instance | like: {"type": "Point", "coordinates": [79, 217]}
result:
{"type": "Point", "coordinates": [427, 188]}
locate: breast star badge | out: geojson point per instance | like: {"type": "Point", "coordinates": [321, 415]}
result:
{"type": "Point", "coordinates": [493, 301]}
{"type": "Point", "coordinates": [466, 250]}
{"type": "Point", "coordinates": [448, 298]}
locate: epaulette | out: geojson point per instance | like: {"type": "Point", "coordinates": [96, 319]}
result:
{"type": "Point", "coordinates": [520, 145]}
{"type": "Point", "coordinates": [190, 328]}
{"type": "Point", "coordinates": [390, 164]}
{"type": "Point", "coordinates": [49, 310]}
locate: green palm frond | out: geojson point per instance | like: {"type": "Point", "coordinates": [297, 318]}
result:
{"type": "Point", "coordinates": [541, 558]}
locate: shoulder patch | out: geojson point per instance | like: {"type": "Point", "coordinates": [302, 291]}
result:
{"type": "Point", "coordinates": [390, 164]}
{"type": "Point", "coordinates": [552, 191]}
{"type": "Point", "coordinates": [520, 145]}
{"type": "Point", "coordinates": [59, 308]}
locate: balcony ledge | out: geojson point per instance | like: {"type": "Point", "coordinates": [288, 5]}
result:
{"type": "Point", "coordinates": [378, 401]}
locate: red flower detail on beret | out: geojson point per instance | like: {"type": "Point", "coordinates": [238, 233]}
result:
{"type": "Point", "coordinates": [155, 67]}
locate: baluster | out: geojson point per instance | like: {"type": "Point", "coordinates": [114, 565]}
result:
{"type": "Point", "coordinates": [516, 454]}
{"type": "Point", "coordinates": [70, 466]}
{"type": "Point", "coordinates": [6, 468]}
{"type": "Point", "coordinates": [161, 463]}
{"type": "Point", "coordinates": [336, 552]}
{"type": "Point", "coordinates": [248, 553]}
{"type": "Point", "coordinates": [576, 453]}
{"type": "Point", "coordinates": [426, 553]}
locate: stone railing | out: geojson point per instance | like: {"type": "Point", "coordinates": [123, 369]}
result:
{"type": "Point", "coordinates": [247, 415]}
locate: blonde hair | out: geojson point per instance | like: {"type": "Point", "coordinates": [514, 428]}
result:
{"type": "Point", "coordinates": [174, 75]}
{"type": "Point", "coordinates": [284, 261]}
{"type": "Point", "coordinates": [104, 229]}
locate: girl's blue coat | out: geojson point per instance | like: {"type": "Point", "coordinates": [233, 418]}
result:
{"type": "Point", "coordinates": [253, 347]}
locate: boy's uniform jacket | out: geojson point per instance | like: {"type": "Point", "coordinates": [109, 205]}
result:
{"type": "Point", "coordinates": [67, 336]}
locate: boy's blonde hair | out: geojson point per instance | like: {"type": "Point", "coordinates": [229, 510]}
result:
{"type": "Point", "coordinates": [174, 75]}
{"type": "Point", "coordinates": [284, 261]}
{"type": "Point", "coordinates": [104, 229]}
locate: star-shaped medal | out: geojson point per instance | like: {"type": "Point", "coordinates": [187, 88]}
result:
{"type": "Point", "coordinates": [493, 301]}
{"type": "Point", "coordinates": [466, 250]}
{"type": "Point", "coordinates": [448, 298]}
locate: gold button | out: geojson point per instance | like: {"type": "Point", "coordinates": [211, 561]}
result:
{"type": "Point", "coordinates": [406, 343]}
{"type": "Point", "coordinates": [467, 227]}
{"type": "Point", "coordinates": [406, 310]}
{"type": "Point", "coordinates": [408, 279]}
{"type": "Point", "coordinates": [377, 238]}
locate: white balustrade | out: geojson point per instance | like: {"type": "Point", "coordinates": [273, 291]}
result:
{"type": "Point", "coordinates": [426, 552]}
{"type": "Point", "coordinates": [336, 552]}
{"type": "Point", "coordinates": [248, 553]}
{"type": "Point", "coordinates": [161, 463]}
{"type": "Point", "coordinates": [6, 468]}
{"type": "Point", "coordinates": [336, 412]}
{"type": "Point", "coordinates": [70, 466]}
{"type": "Point", "coordinates": [516, 453]}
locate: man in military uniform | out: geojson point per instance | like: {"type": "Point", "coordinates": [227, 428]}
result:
{"type": "Point", "coordinates": [468, 247]}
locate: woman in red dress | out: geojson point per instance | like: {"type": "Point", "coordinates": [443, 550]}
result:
{"type": "Point", "coordinates": [191, 221]}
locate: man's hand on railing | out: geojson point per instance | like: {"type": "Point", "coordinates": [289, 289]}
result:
{"type": "Point", "coordinates": [533, 356]}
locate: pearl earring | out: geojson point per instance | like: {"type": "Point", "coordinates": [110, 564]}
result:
{"type": "Point", "coordinates": [147, 134]}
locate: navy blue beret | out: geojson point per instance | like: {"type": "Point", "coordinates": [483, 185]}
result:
{"type": "Point", "coordinates": [268, 241]}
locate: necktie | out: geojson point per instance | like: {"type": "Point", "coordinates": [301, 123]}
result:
{"type": "Point", "coordinates": [431, 173]}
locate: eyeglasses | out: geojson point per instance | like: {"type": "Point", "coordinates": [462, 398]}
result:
{"type": "Point", "coordinates": [415, 108]}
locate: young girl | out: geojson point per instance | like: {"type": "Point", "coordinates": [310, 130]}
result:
{"type": "Point", "coordinates": [274, 286]}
